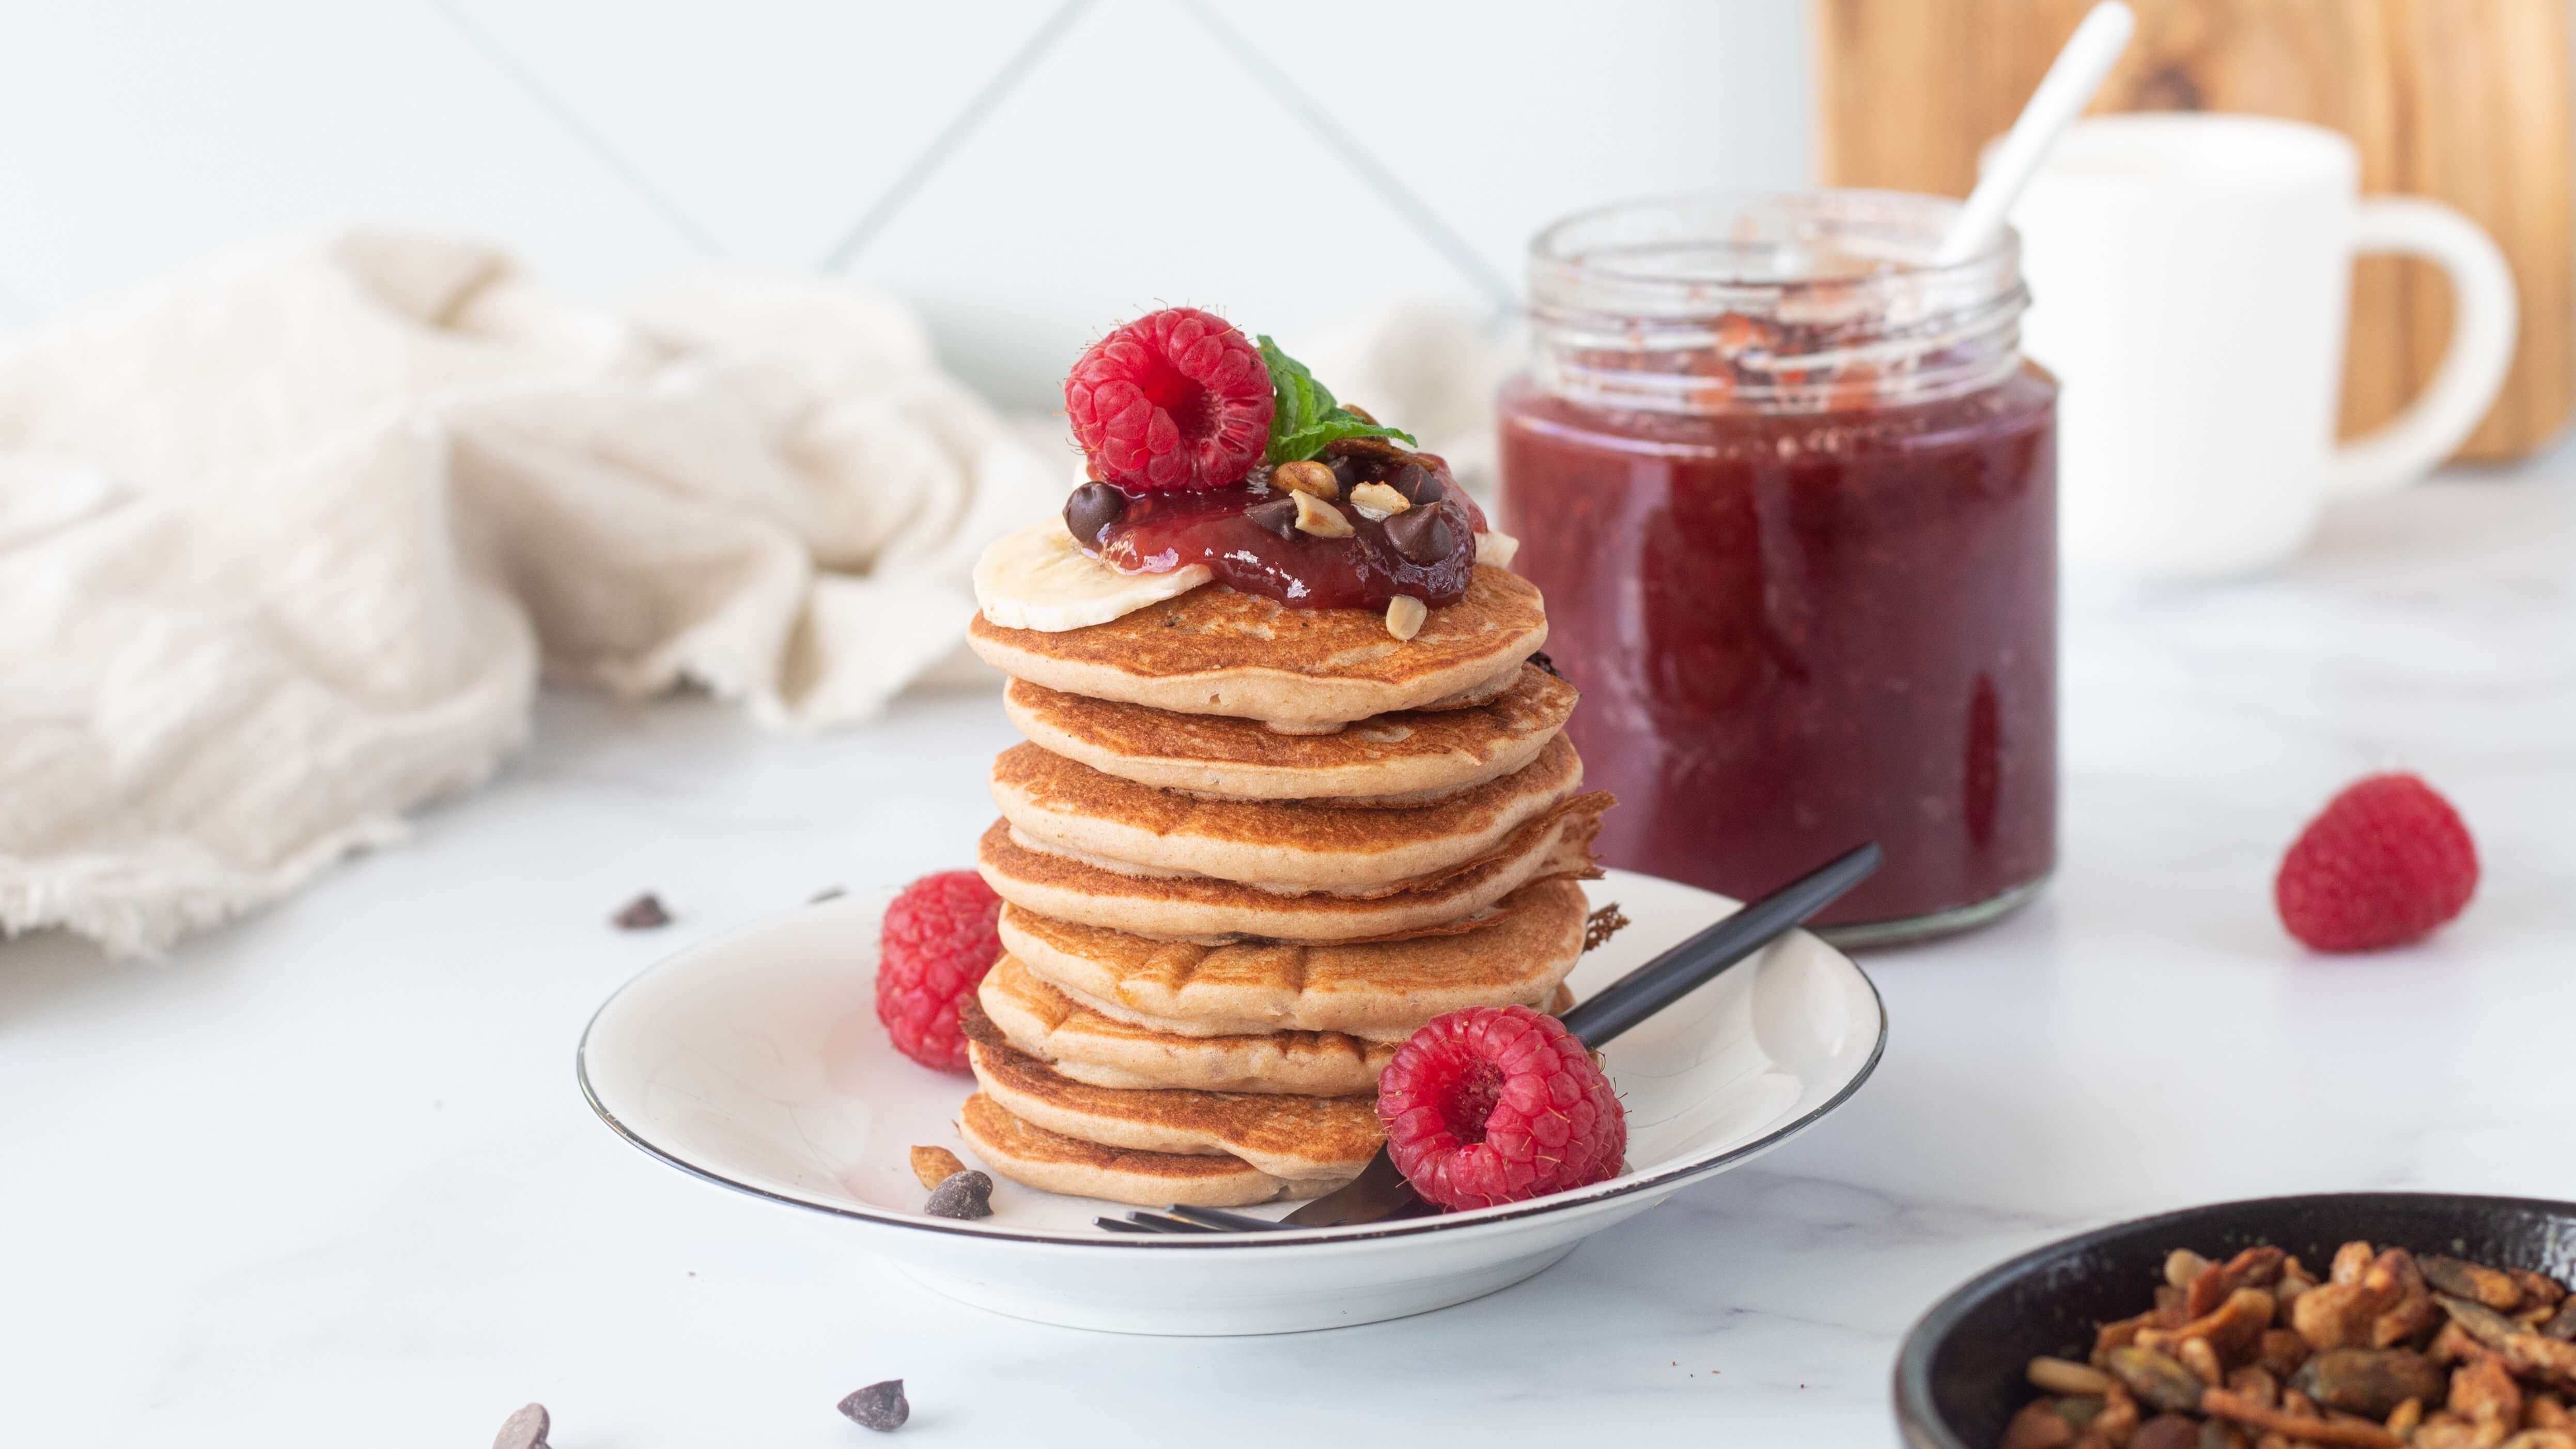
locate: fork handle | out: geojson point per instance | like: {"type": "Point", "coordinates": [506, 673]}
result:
{"type": "Point", "coordinates": [1678, 972]}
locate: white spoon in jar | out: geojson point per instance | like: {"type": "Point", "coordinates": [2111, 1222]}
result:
{"type": "Point", "coordinates": [2063, 93]}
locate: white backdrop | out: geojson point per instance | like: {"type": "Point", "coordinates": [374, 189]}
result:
{"type": "Point", "coordinates": [1025, 172]}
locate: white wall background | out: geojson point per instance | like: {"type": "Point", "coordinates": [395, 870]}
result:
{"type": "Point", "coordinates": [1025, 172]}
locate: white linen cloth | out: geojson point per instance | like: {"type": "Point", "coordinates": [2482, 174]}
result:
{"type": "Point", "coordinates": [286, 538]}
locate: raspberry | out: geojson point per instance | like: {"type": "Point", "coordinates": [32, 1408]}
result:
{"type": "Point", "coordinates": [2386, 862]}
{"type": "Point", "coordinates": [938, 940]}
{"type": "Point", "coordinates": [1174, 401]}
{"type": "Point", "coordinates": [1496, 1104]}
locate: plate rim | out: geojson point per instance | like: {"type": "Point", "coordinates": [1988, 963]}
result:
{"type": "Point", "coordinates": [1669, 1180]}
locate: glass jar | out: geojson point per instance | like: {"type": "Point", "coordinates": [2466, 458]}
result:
{"type": "Point", "coordinates": [1791, 493]}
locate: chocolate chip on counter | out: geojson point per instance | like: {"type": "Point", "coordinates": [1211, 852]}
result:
{"type": "Point", "coordinates": [1418, 484]}
{"type": "Point", "coordinates": [881, 1407]}
{"type": "Point", "coordinates": [1093, 507]}
{"type": "Point", "coordinates": [1420, 534]}
{"type": "Point", "coordinates": [644, 913]}
{"type": "Point", "coordinates": [525, 1429]}
{"type": "Point", "coordinates": [967, 1195]}
{"type": "Point", "coordinates": [1279, 515]}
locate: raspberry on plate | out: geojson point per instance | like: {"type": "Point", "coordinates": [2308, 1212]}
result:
{"type": "Point", "coordinates": [938, 940]}
{"type": "Point", "coordinates": [1177, 400]}
{"type": "Point", "coordinates": [1499, 1103]}
{"type": "Point", "coordinates": [2385, 862]}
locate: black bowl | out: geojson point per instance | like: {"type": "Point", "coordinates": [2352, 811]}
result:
{"type": "Point", "coordinates": [1959, 1376]}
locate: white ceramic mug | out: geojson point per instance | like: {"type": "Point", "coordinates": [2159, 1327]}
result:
{"type": "Point", "coordinates": [2190, 276]}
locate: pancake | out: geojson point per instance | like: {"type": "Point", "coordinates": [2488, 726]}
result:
{"type": "Point", "coordinates": [1401, 758]}
{"type": "Point", "coordinates": [1326, 845]}
{"type": "Point", "coordinates": [1101, 1051]}
{"type": "Point", "coordinates": [1196, 907]}
{"type": "Point", "coordinates": [1372, 989]}
{"type": "Point", "coordinates": [1216, 651]}
{"type": "Point", "coordinates": [1295, 1139]}
{"type": "Point", "coordinates": [1051, 1162]}
{"type": "Point", "coordinates": [1555, 1003]}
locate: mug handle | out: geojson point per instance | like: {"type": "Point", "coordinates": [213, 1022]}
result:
{"type": "Point", "coordinates": [2484, 320]}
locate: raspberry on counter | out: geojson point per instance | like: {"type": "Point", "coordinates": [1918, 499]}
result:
{"type": "Point", "coordinates": [2386, 862]}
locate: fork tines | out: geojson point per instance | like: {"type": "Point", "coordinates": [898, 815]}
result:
{"type": "Point", "coordinates": [1185, 1219]}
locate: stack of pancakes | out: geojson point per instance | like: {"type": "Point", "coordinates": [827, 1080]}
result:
{"type": "Point", "coordinates": [1248, 851]}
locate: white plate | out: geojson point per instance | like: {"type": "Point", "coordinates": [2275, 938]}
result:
{"type": "Point", "coordinates": [755, 1060]}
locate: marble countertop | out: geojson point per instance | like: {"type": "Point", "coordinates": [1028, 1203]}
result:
{"type": "Point", "coordinates": [325, 1178]}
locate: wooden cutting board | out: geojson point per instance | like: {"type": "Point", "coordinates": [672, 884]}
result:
{"type": "Point", "coordinates": [2463, 101]}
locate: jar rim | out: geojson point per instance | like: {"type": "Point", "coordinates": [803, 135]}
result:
{"type": "Point", "coordinates": [1927, 217]}
{"type": "Point", "coordinates": [1782, 300]}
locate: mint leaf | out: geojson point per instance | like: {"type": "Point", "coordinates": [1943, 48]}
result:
{"type": "Point", "coordinates": [1304, 417]}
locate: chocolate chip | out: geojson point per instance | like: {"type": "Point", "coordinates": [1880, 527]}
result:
{"type": "Point", "coordinates": [967, 1195]}
{"type": "Point", "coordinates": [1093, 507]}
{"type": "Point", "coordinates": [644, 913]}
{"type": "Point", "coordinates": [1420, 534]}
{"type": "Point", "coordinates": [881, 1407]}
{"type": "Point", "coordinates": [1344, 473]}
{"type": "Point", "coordinates": [1279, 515]}
{"type": "Point", "coordinates": [525, 1429]}
{"type": "Point", "coordinates": [1418, 485]}
{"type": "Point", "coordinates": [1542, 661]}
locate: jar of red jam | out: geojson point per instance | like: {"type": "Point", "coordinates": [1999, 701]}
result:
{"type": "Point", "coordinates": [1790, 491]}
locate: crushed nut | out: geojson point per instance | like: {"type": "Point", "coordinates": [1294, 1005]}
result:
{"type": "Point", "coordinates": [2064, 1376]}
{"type": "Point", "coordinates": [1405, 615]}
{"type": "Point", "coordinates": [2201, 1360]}
{"type": "Point", "coordinates": [2255, 1382]}
{"type": "Point", "coordinates": [1321, 519]}
{"type": "Point", "coordinates": [935, 1165]}
{"type": "Point", "coordinates": [1376, 500]}
{"type": "Point", "coordinates": [2167, 1431]}
{"type": "Point", "coordinates": [1307, 477]}
{"type": "Point", "coordinates": [2156, 1378]}
{"type": "Point", "coordinates": [2372, 1381]}
{"type": "Point", "coordinates": [2496, 1290]}
{"type": "Point", "coordinates": [2196, 1355]}
{"type": "Point", "coordinates": [2038, 1426]}
{"type": "Point", "coordinates": [2118, 1419]}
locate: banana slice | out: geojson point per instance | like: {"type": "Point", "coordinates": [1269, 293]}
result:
{"type": "Point", "coordinates": [1038, 578]}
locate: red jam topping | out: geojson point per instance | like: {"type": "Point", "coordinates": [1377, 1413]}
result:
{"type": "Point", "coordinates": [1240, 533]}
